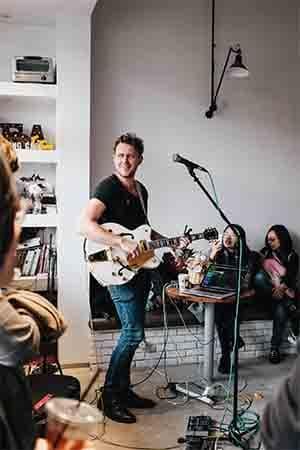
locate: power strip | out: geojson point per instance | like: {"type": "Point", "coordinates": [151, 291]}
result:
{"type": "Point", "coordinates": [180, 387]}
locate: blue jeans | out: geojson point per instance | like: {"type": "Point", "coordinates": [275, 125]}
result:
{"type": "Point", "coordinates": [130, 301]}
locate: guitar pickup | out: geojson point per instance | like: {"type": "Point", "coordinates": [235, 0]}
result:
{"type": "Point", "coordinates": [98, 256]}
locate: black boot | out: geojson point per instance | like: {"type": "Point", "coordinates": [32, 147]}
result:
{"type": "Point", "coordinates": [240, 343]}
{"type": "Point", "coordinates": [224, 364]}
{"type": "Point", "coordinates": [113, 408]}
{"type": "Point", "coordinates": [291, 307]}
{"type": "Point", "coordinates": [131, 400]}
{"type": "Point", "coordinates": [274, 356]}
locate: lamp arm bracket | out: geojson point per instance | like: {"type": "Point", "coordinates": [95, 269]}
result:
{"type": "Point", "coordinates": [223, 73]}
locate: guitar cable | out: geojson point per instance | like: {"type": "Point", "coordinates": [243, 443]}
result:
{"type": "Point", "coordinates": [165, 341]}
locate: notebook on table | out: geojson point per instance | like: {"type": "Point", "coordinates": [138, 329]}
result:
{"type": "Point", "coordinates": [217, 283]}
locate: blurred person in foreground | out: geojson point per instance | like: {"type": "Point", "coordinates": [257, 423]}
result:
{"type": "Point", "coordinates": [19, 333]}
{"type": "Point", "coordinates": [19, 330]}
{"type": "Point", "coordinates": [280, 426]}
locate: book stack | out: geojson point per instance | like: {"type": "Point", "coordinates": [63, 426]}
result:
{"type": "Point", "coordinates": [33, 257]}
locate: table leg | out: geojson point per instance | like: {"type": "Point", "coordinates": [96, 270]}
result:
{"type": "Point", "coordinates": [209, 334]}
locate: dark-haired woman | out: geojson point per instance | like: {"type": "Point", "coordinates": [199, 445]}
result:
{"type": "Point", "coordinates": [277, 283]}
{"type": "Point", "coordinates": [226, 252]}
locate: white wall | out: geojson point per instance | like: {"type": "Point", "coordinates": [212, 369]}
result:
{"type": "Point", "coordinates": [73, 136]}
{"type": "Point", "coordinates": [21, 40]}
{"type": "Point", "coordinates": [151, 75]}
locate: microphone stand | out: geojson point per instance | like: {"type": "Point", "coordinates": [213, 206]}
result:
{"type": "Point", "coordinates": [237, 288]}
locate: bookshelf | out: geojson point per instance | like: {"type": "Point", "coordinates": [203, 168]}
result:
{"type": "Point", "coordinates": [31, 103]}
{"type": "Point", "coordinates": [40, 221]}
{"type": "Point", "coordinates": [64, 111]}
{"type": "Point", "coordinates": [38, 156]}
{"type": "Point", "coordinates": [10, 89]}
{"type": "Point", "coordinates": [37, 283]}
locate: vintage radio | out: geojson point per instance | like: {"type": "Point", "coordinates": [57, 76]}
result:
{"type": "Point", "coordinates": [33, 69]}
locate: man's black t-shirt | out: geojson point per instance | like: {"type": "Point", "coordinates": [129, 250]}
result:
{"type": "Point", "coordinates": [122, 207]}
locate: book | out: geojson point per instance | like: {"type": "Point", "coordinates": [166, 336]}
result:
{"type": "Point", "coordinates": [29, 243]}
{"type": "Point", "coordinates": [27, 263]}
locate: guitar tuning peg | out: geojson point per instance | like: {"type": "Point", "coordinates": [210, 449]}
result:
{"type": "Point", "coordinates": [187, 231]}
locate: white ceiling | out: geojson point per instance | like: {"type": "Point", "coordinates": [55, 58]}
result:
{"type": "Point", "coordinates": [43, 12]}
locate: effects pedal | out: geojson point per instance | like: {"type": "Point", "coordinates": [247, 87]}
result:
{"type": "Point", "coordinates": [197, 428]}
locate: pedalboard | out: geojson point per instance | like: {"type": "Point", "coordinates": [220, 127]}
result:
{"type": "Point", "coordinates": [200, 433]}
{"type": "Point", "coordinates": [197, 427]}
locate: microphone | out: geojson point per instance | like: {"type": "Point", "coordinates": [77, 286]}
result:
{"type": "Point", "coordinates": [188, 164]}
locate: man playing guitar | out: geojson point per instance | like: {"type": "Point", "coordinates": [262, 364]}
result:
{"type": "Point", "coordinates": [119, 198]}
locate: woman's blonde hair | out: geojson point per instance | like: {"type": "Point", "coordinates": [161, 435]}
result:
{"type": "Point", "coordinates": [9, 153]}
{"type": "Point", "coordinates": [8, 207]}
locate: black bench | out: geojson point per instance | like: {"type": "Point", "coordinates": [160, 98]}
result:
{"type": "Point", "coordinates": [251, 309]}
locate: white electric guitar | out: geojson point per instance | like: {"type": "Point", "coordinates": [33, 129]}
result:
{"type": "Point", "coordinates": [112, 266]}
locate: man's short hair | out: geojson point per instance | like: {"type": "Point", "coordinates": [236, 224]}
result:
{"type": "Point", "coordinates": [131, 139]}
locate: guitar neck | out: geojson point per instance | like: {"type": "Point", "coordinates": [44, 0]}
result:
{"type": "Point", "coordinates": [171, 242]}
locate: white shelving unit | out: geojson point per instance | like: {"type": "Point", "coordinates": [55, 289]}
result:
{"type": "Point", "coordinates": [40, 221]}
{"type": "Point", "coordinates": [34, 283]}
{"type": "Point", "coordinates": [40, 94]}
{"type": "Point", "coordinates": [38, 156]}
{"type": "Point", "coordinates": [64, 113]}
{"type": "Point", "coordinates": [10, 89]}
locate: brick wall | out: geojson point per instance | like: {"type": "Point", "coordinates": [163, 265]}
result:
{"type": "Point", "coordinates": [183, 347]}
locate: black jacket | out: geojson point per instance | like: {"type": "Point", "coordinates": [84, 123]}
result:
{"type": "Point", "coordinates": [16, 425]}
{"type": "Point", "coordinates": [250, 264]}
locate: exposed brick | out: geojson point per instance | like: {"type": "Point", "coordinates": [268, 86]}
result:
{"type": "Point", "coordinates": [107, 344]}
{"type": "Point", "coordinates": [102, 336]}
{"type": "Point", "coordinates": [186, 345]}
{"type": "Point", "coordinates": [155, 356]}
{"type": "Point", "coordinates": [182, 346]}
{"type": "Point", "coordinates": [169, 346]}
{"type": "Point", "coordinates": [188, 331]}
{"type": "Point", "coordinates": [180, 338]}
{"type": "Point", "coordinates": [154, 332]}
{"type": "Point", "coordinates": [194, 352]}
{"type": "Point", "coordinates": [191, 360]}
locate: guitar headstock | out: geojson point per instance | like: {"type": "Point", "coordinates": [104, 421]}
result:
{"type": "Point", "coordinates": [210, 234]}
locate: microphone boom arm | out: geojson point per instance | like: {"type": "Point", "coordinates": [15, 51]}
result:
{"type": "Point", "coordinates": [208, 195]}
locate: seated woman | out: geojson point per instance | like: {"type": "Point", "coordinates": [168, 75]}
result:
{"type": "Point", "coordinates": [276, 284]}
{"type": "Point", "coordinates": [226, 252]}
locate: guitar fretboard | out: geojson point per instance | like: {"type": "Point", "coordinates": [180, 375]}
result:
{"type": "Point", "coordinates": [170, 242]}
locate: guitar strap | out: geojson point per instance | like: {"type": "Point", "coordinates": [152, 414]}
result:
{"type": "Point", "coordinates": [139, 191]}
